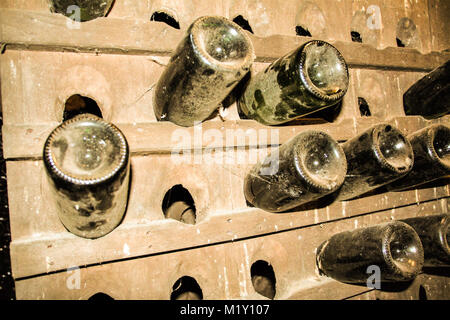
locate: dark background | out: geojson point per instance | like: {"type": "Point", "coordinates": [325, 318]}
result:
{"type": "Point", "coordinates": [6, 281]}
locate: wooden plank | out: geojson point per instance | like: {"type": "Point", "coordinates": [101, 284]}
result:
{"type": "Point", "coordinates": [27, 141]}
{"type": "Point", "coordinates": [222, 270]}
{"type": "Point", "coordinates": [29, 30]}
{"type": "Point", "coordinates": [40, 244]}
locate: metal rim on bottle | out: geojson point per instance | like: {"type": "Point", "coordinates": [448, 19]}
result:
{"type": "Point", "coordinates": [431, 134]}
{"type": "Point", "coordinates": [444, 233]}
{"type": "Point", "coordinates": [404, 270]}
{"type": "Point", "coordinates": [316, 91]}
{"type": "Point", "coordinates": [67, 177]}
{"type": "Point", "coordinates": [198, 43]}
{"type": "Point", "coordinates": [377, 131]}
{"type": "Point", "coordinates": [314, 180]}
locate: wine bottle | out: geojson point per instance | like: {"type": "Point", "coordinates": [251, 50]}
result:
{"type": "Point", "coordinates": [434, 233]}
{"type": "Point", "coordinates": [431, 147]}
{"type": "Point", "coordinates": [376, 157]}
{"type": "Point", "coordinates": [305, 168]}
{"type": "Point", "coordinates": [310, 78]}
{"type": "Point", "coordinates": [81, 10]}
{"type": "Point", "coordinates": [87, 161]}
{"type": "Point", "coordinates": [393, 247]}
{"type": "Point", "coordinates": [430, 96]}
{"type": "Point", "coordinates": [209, 62]}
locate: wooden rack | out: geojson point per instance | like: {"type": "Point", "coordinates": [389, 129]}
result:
{"type": "Point", "coordinates": [116, 61]}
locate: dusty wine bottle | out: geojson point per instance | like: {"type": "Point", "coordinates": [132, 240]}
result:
{"type": "Point", "coordinates": [376, 157]}
{"type": "Point", "coordinates": [81, 10]}
{"type": "Point", "coordinates": [434, 233]}
{"type": "Point", "coordinates": [431, 147]}
{"type": "Point", "coordinates": [430, 96]}
{"type": "Point", "coordinates": [393, 247]}
{"type": "Point", "coordinates": [305, 168]}
{"type": "Point", "coordinates": [87, 161]}
{"type": "Point", "coordinates": [308, 79]}
{"type": "Point", "coordinates": [209, 62]}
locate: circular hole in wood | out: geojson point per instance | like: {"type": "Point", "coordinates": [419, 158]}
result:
{"type": "Point", "coordinates": [356, 36]}
{"type": "Point", "coordinates": [100, 296]}
{"type": "Point", "coordinates": [243, 23]}
{"type": "Point", "coordinates": [78, 104]}
{"type": "Point", "coordinates": [302, 31]}
{"type": "Point", "coordinates": [186, 288]}
{"type": "Point", "coordinates": [364, 109]}
{"type": "Point", "coordinates": [263, 278]}
{"type": "Point", "coordinates": [166, 18]}
{"type": "Point", "coordinates": [178, 204]}
{"type": "Point", "coordinates": [422, 293]}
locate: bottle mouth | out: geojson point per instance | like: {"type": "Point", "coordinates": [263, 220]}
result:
{"type": "Point", "coordinates": [393, 149]}
{"type": "Point", "coordinates": [320, 160]}
{"type": "Point", "coordinates": [403, 250]}
{"type": "Point", "coordinates": [439, 142]}
{"type": "Point", "coordinates": [85, 150]}
{"type": "Point", "coordinates": [323, 70]}
{"type": "Point", "coordinates": [222, 42]}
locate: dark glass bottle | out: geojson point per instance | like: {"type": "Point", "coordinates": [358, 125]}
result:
{"type": "Point", "coordinates": [376, 157]}
{"type": "Point", "coordinates": [393, 247]}
{"type": "Point", "coordinates": [88, 9]}
{"type": "Point", "coordinates": [430, 96]}
{"type": "Point", "coordinates": [305, 168]}
{"type": "Point", "coordinates": [308, 79]}
{"type": "Point", "coordinates": [209, 62]}
{"type": "Point", "coordinates": [87, 161]}
{"type": "Point", "coordinates": [434, 233]}
{"type": "Point", "coordinates": [431, 147]}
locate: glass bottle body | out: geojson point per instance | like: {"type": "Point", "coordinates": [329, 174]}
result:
{"type": "Point", "coordinates": [305, 168]}
{"type": "Point", "coordinates": [430, 96]}
{"type": "Point", "coordinates": [431, 147]}
{"type": "Point", "coordinates": [87, 162]}
{"type": "Point", "coordinates": [434, 232]}
{"type": "Point", "coordinates": [376, 157]}
{"type": "Point", "coordinates": [208, 63]}
{"type": "Point", "coordinates": [308, 79]}
{"type": "Point", "coordinates": [393, 247]}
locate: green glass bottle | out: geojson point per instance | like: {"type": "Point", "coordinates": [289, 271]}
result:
{"type": "Point", "coordinates": [308, 79]}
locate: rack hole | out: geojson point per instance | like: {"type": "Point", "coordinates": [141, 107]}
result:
{"type": "Point", "coordinates": [186, 288]}
{"type": "Point", "coordinates": [364, 109]}
{"type": "Point", "coordinates": [407, 34]}
{"type": "Point", "coordinates": [178, 204]}
{"type": "Point", "coordinates": [356, 36]}
{"type": "Point", "coordinates": [400, 44]}
{"type": "Point", "coordinates": [263, 278]}
{"type": "Point", "coordinates": [243, 23]}
{"type": "Point", "coordinates": [303, 32]}
{"type": "Point", "coordinates": [166, 18]}
{"type": "Point", "coordinates": [78, 104]}
{"type": "Point", "coordinates": [100, 296]}
{"type": "Point", "coordinates": [422, 293]}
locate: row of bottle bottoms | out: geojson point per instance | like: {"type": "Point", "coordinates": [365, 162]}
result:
{"type": "Point", "coordinates": [88, 164]}
{"type": "Point", "coordinates": [216, 55]}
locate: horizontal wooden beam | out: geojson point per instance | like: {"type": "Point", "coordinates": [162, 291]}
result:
{"type": "Point", "coordinates": [222, 270]}
{"type": "Point", "coordinates": [27, 141]}
{"type": "Point", "coordinates": [41, 253]}
{"type": "Point", "coordinates": [32, 30]}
